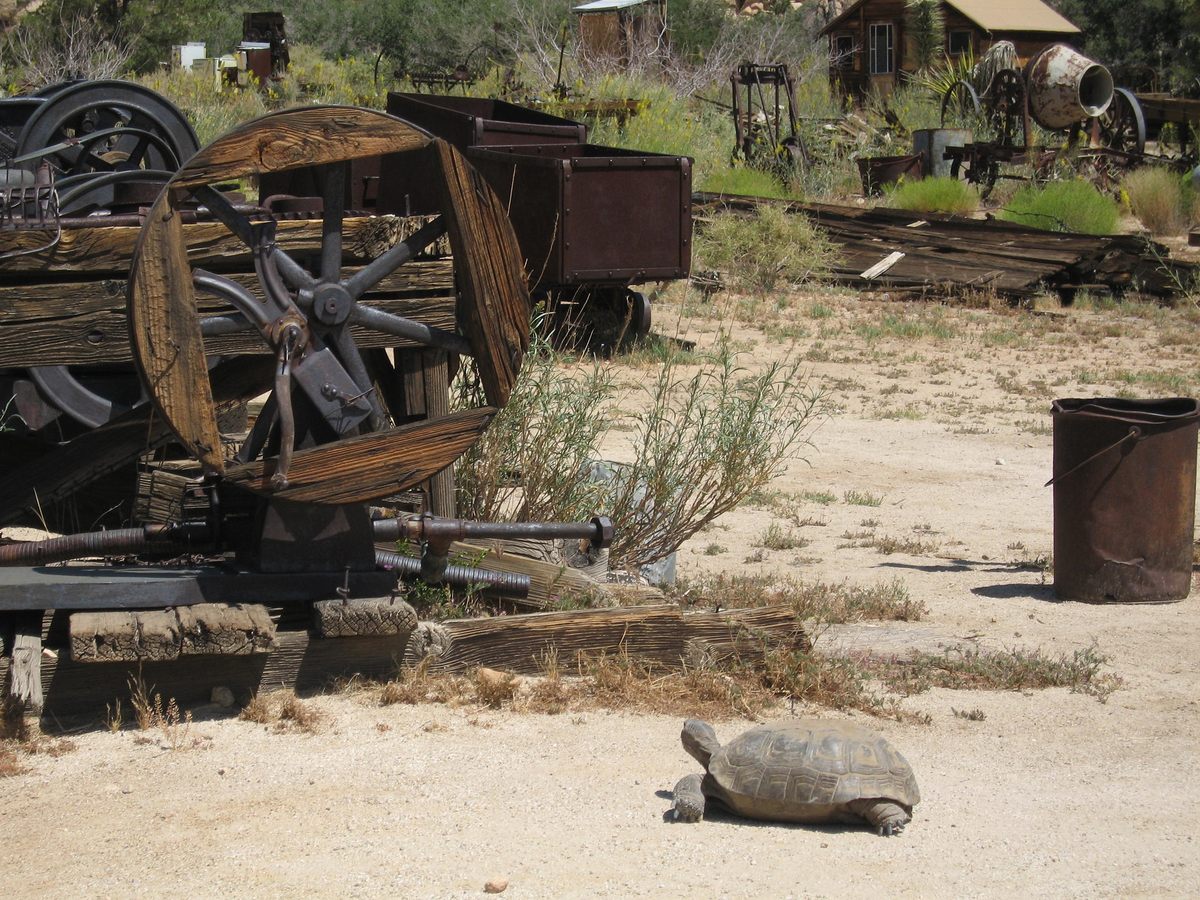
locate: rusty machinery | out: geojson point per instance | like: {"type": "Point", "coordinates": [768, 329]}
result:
{"type": "Point", "coordinates": [227, 300]}
{"type": "Point", "coordinates": [764, 117]}
{"type": "Point", "coordinates": [270, 29]}
{"type": "Point", "coordinates": [1059, 89]}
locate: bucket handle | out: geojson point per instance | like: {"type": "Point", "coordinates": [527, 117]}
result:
{"type": "Point", "coordinates": [1133, 434]}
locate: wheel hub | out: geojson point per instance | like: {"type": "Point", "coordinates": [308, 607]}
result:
{"type": "Point", "coordinates": [331, 304]}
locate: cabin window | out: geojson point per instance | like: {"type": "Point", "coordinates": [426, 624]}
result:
{"type": "Point", "coordinates": [882, 58]}
{"type": "Point", "coordinates": [843, 51]}
{"type": "Point", "coordinates": [958, 42]}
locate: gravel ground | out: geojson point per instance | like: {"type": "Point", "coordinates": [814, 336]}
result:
{"type": "Point", "coordinates": [1053, 793]}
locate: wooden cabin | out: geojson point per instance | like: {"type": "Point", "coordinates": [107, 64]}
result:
{"type": "Point", "coordinates": [615, 28]}
{"type": "Point", "coordinates": [869, 49]}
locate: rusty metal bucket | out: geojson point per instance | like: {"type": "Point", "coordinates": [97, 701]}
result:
{"type": "Point", "coordinates": [1066, 87]}
{"type": "Point", "coordinates": [876, 171]}
{"type": "Point", "coordinates": [1124, 499]}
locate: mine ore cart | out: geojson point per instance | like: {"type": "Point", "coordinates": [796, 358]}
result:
{"type": "Point", "coordinates": [592, 222]}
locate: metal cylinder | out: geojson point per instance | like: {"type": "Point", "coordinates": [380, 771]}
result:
{"type": "Point", "coordinates": [1124, 499]}
{"type": "Point", "coordinates": [510, 584]}
{"type": "Point", "coordinates": [930, 144]}
{"type": "Point", "coordinates": [1066, 87]}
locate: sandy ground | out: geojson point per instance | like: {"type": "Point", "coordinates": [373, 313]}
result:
{"type": "Point", "coordinates": [1053, 794]}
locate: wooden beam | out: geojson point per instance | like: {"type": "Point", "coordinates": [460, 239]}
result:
{"type": "Point", "coordinates": [659, 634]}
{"type": "Point", "coordinates": [84, 322]}
{"type": "Point", "coordinates": [23, 690]}
{"type": "Point", "coordinates": [107, 250]}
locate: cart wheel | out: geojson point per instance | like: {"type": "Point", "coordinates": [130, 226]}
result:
{"type": "Point", "coordinates": [305, 318]}
{"type": "Point", "coordinates": [960, 103]}
{"type": "Point", "coordinates": [1123, 125]}
{"type": "Point", "coordinates": [1006, 108]}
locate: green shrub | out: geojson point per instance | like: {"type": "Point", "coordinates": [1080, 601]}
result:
{"type": "Point", "coordinates": [743, 181]}
{"type": "Point", "coordinates": [761, 250]}
{"type": "Point", "coordinates": [1074, 206]}
{"type": "Point", "coordinates": [934, 195]}
{"type": "Point", "coordinates": [701, 442]}
{"type": "Point", "coordinates": [1158, 198]}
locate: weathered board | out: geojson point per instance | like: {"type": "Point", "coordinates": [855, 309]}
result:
{"type": "Point", "coordinates": [952, 252]}
{"type": "Point", "coordinates": [371, 466]}
{"type": "Point", "coordinates": [80, 323]}
{"type": "Point", "coordinates": [659, 634]}
{"type": "Point", "coordinates": [494, 307]}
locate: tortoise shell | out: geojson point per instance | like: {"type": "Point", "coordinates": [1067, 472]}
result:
{"type": "Point", "coordinates": [807, 770]}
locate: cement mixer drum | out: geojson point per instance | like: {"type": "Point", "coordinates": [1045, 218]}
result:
{"type": "Point", "coordinates": [1066, 87]}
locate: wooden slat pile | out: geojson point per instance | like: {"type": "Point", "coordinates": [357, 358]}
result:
{"type": "Point", "coordinates": [942, 253]}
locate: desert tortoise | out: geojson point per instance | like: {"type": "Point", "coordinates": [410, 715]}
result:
{"type": "Point", "coordinates": [804, 770]}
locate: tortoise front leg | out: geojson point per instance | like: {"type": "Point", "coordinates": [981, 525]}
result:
{"type": "Point", "coordinates": [887, 817]}
{"type": "Point", "coordinates": [689, 799]}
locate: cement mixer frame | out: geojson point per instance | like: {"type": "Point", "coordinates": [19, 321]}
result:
{"type": "Point", "coordinates": [1060, 90]}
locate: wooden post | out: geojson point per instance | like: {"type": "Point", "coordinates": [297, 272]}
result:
{"type": "Point", "coordinates": [437, 406]}
{"type": "Point", "coordinates": [24, 688]}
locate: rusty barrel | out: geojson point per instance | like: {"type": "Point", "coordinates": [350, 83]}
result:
{"type": "Point", "coordinates": [1124, 499]}
{"type": "Point", "coordinates": [1066, 87]}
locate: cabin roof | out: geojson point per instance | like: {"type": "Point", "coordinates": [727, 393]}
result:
{"type": "Point", "coordinates": [990, 15]}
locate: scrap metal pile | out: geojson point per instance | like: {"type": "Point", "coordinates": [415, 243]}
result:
{"type": "Point", "coordinates": [145, 299]}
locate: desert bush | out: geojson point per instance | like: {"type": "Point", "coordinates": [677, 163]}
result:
{"type": "Point", "coordinates": [761, 250]}
{"type": "Point", "coordinates": [1074, 206]}
{"type": "Point", "coordinates": [700, 446]}
{"type": "Point", "coordinates": [701, 443]}
{"type": "Point", "coordinates": [1158, 198]}
{"type": "Point", "coordinates": [528, 465]}
{"type": "Point", "coordinates": [58, 48]}
{"type": "Point", "coordinates": [934, 195]}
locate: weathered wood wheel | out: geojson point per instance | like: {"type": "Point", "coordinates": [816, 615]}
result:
{"type": "Point", "coordinates": [304, 317]}
{"type": "Point", "coordinates": [1006, 108]}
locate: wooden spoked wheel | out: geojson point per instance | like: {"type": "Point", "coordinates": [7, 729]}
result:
{"type": "Point", "coordinates": [1006, 108]}
{"type": "Point", "coordinates": [323, 393]}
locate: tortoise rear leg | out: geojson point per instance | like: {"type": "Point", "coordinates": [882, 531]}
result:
{"type": "Point", "coordinates": [888, 817]}
{"type": "Point", "coordinates": [689, 799]}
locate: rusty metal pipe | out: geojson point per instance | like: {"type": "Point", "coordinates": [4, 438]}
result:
{"type": "Point", "coordinates": [440, 532]}
{"type": "Point", "coordinates": [509, 584]}
{"type": "Point", "coordinates": [96, 543]}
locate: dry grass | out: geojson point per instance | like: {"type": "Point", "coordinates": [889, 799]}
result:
{"type": "Point", "coordinates": [818, 601]}
{"type": "Point", "coordinates": [1003, 670]}
{"type": "Point", "coordinates": [152, 713]}
{"type": "Point", "coordinates": [283, 711]}
{"type": "Point", "coordinates": [10, 762]}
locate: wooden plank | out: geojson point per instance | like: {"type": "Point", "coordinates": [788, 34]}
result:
{"type": "Point", "coordinates": [882, 266]}
{"type": "Point", "coordinates": [107, 250]}
{"type": "Point", "coordinates": [82, 323]}
{"type": "Point", "coordinates": [494, 305]}
{"type": "Point", "coordinates": [659, 634]}
{"type": "Point", "coordinates": [165, 334]}
{"type": "Point", "coordinates": [298, 138]}
{"type": "Point", "coordinates": [371, 466]}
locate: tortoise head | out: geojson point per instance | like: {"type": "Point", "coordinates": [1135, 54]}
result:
{"type": "Point", "coordinates": [699, 740]}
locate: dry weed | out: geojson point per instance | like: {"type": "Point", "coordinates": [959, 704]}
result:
{"type": "Point", "coordinates": [284, 711]}
{"type": "Point", "coordinates": [152, 713]}
{"type": "Point", "coordinates": [10, 762]}
{"type": "Point", "coordinates": [1008, 670]}
{"type": "Point", "coordinates": [815, 600]}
